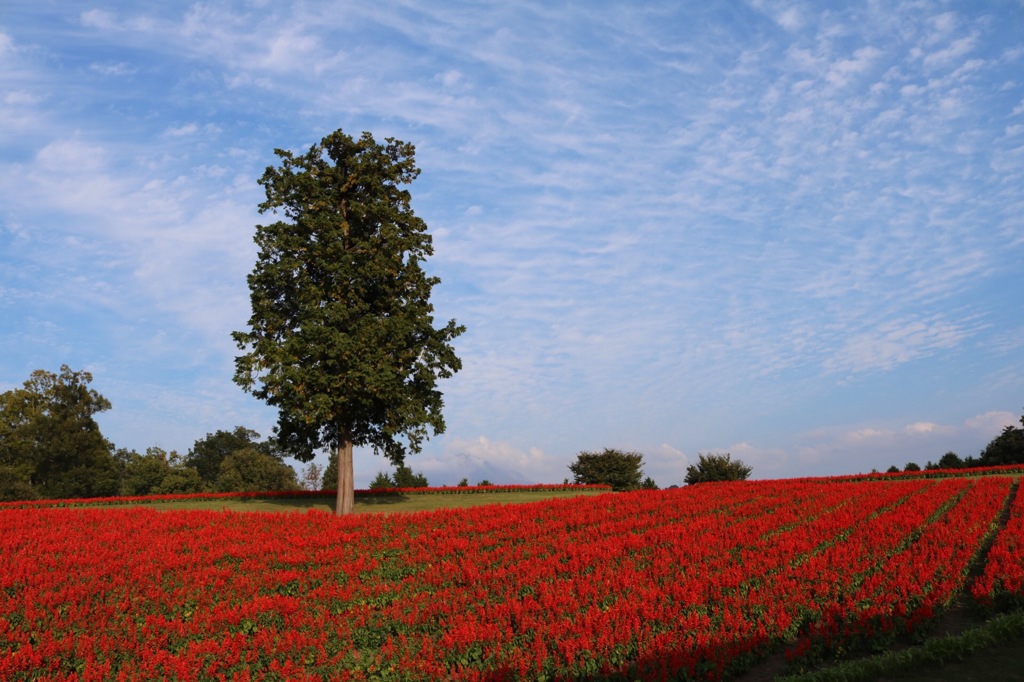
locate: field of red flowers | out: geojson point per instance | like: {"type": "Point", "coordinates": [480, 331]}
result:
{"type": "Point", "coordinates": [696, 583]}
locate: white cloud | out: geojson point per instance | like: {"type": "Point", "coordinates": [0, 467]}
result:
{"type": "Point", "coordinates": [765, 462]}
{"type": "Point", "coordinates": [118, 69]}
{"type": "Point", "coordinates": [482, 458]}
{"type": "Point", "coordinates": [790, 19]}
{"type": "Point", "coordinates": [21, 98]}
{"type": "Point", "coordinates": [483, 449]}
{"type": "Point", "coordinates": [993, 422]}
{"type": "Point", "coordinates": [929, 428]}
{"type": "Point", "coordinates": [638, 221]}
{"type": "Point", "coordinates": [97, 18]}
{"type": "Point", "coordinates": [842, 72]}
{"type": "Point", "coordinates": [860, 448]}
{"type": "Point", "coordinates": [183, 130]}
{"type": "Point", "coordinates": [892, 344]}
{"type": "Point", "coordinates": [957, 49]}
{"type": "Point", "coordinates": [866, 434]}
{"type": "Point", "coordinates": [70, 158]}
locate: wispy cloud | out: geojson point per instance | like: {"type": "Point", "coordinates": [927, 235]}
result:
{"type": "Point", "coordinates": [650, 230]}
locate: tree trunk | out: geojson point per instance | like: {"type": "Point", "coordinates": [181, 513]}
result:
{"type": "Point", "coordinates": [346, 483]}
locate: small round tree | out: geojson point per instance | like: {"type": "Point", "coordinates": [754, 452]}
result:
{"type": "Point", "coordinates": [620, 470]}
{"type": "Point", "coordinates": [716, 467]}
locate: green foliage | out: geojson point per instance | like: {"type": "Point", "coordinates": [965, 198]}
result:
{"type": "Point", "coordinates": [892, 470]}
{"type": "Point", "coordinates": [180, 480]}
{"type": "Point", "coordinates": [14, 485]}
{"type": "Point", "coordinates": [484, 482]}
{"type": "Point", "coordinates": [649, 484]}
{"type": "Point", "coordinates": [926, 661]}
{"type": "Point", "coordinates": [142, 474]}
{"type": "Point", "coordinates": [620, 470]}
{"type": "Point", "coordinates": [252, 470]}
{"type": "Point", "coordinates": [156, 473]}
{"type": "Point", "coordinates": [1006, 448]}
{"type": "Point", "coordinates": [382, 482]}
{"type": "Point", "coordinates": [405, 478]}
{"type": "Point", "coordinates": [716, 467]}
{"type": "Point", "coordinates": [402, 478]}
{"type": "Point", "coordinates": [464, 483]}
{"type": "Point", "coordinates": [951, 460]}
{"type": "Point", "coordinates": [49, 438]}
{"type": "Point", "coordinates": [330, 480]}
{"type": "Point", "coordinates": [911, 466]}
{"type": "Point", "coordinates": [209, 452]}
{"type": "Point", "coordinates": [341, 338]}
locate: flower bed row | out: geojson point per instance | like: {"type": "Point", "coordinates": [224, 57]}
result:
{"type": "Point", "coordinates": [913, 561]}
{"type": "Point", "coordinates": [1002, 470]}
{"type": "Point", "coordinates": [1002, 583]}
{"type": "Point", "coordinates": [692, 583]}
{"type": "Point", "coordinates": [297, 494]}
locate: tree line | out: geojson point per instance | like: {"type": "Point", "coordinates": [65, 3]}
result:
{"type": "Point", "coordinates": [51, 447]}
{"type": "Point", "coordinates": [1006, 448]}
{"type": "Point", "coordinates": [624, 470]}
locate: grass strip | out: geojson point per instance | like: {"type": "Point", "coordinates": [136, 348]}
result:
{"type": "Point", "coordinates": [937, 651]}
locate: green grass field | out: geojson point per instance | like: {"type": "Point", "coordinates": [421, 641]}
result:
{"type": "Point", "coordinates": [376, 504]}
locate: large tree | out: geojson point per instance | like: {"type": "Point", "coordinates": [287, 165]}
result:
{"type": "Point", "coordinates": [49, 439]}
{"type": "Point", "coordinates": [342, 338]}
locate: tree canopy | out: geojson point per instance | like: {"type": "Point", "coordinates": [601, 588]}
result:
{"type": "Point", "coordinates": [50, 443]}
{"type": "Point", "coordinates": [1006, 448]}
{"type": "Point", "coordinates": [341, 338]}
{"type": "Point", "coordinates": [253, 469]}
{"type": "Point", "coordinates": [716, 467]}
{"type": "Point", "coordinates": [621, 470]}
{"type": "Point", "coordinates": [158, 472]}
{"type": "Point", "coordinates": [209, 452]}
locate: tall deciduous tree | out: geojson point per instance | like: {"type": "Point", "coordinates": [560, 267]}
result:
{"type": "Point", "coordinates": [342, 338]}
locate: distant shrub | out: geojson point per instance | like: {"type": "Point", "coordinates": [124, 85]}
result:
{"type": "Point", "coordinates": [716, 467]}
{"type": "Point", "coordinates": [383, 481]}
{"type": "Point", "coordinates": [620, 470]}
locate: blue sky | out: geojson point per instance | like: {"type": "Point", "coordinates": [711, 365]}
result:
{"type": "Point", "coordinates": [764, 228]}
